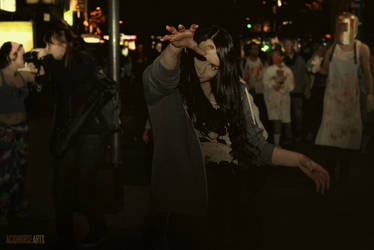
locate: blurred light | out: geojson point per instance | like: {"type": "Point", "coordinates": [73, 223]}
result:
{"type": "Point", "coordinates": [120, 22]}
{"type": "Point", "coordinates": [263, 2]}
{"type": "Point", "coordinates": [249, 26]}
{"type": "Point", "coordinates": [265, 47]}
{"type": "Point", "coordinates": [98, 8]}
{"type": "Point", "coordinates": [279, 3]}
{"type": "Point", "coordinates": [91, 38]}
{"type": "Point", "coordinates": [125, 51]}
{"type": "Point", "coordinates": [20, 32]}
{"type": "Point", "coordinates": [328, 36]}
{"type": "Point", "coordinates": [128, 37]}
{"type": "Point", "coordinates": [68, 17]}
{"type": "Point", "coordinates": [247, 18]}
{"type": "Point", "coordinates": [159, 47]}
{"type": "Point", "coordinates": [8, 5]}
{"type": "Point", "coordinates": [106, 37]}
{"type": "Point", "coordinates": [132, 45]}
{"type": "Point", "coordinates": [46, 17]}
{"type": "Point", "coordinates": [266, 28]}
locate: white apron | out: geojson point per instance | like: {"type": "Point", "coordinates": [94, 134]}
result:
{"type": "Point", "coordinates": [341, 124]}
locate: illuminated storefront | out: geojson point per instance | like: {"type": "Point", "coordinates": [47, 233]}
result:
{"type": "Point", "coordinates": [21, 32]}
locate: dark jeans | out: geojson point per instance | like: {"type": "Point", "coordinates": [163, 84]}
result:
{"type": "Point", "coordinates": [177, 231]}
{"type": "Point", "coordinates": [74, 186]}
{"type": "Point", "coordinates": [297, 106]}
{"type": "Point", "coordinates": [171, 231]}
{"type": "Point", "coordinates": [314, 110]}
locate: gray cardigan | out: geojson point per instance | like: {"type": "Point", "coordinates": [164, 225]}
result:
{"type": "Point", "coordinates": [179, 181]}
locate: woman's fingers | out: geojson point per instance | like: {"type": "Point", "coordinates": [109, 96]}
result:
{"type": "Point", "coordinates": [181, 28]}
{"type": "Point", "coordinates": [194, 27]}
{"type": "Point", "coordinates": [171, 29]}
{"type": "Point", "coordinates": [166, 38]}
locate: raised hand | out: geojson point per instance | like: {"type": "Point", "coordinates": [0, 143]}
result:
{"type": "Point", "coordinates": [183, 38]}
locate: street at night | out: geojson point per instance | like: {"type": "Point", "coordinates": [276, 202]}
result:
{"type": "Point", "coordinates": [163, 125]}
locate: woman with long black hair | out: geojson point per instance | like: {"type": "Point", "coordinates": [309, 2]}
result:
{"type": "Point", "coordinates": [202, 116]}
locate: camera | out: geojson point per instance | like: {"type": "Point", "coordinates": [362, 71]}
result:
{"type": "Point", "coordinates": [32, 57]}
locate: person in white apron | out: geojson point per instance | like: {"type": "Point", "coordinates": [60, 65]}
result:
{"type": "Point", "coordinates": [341, 125]}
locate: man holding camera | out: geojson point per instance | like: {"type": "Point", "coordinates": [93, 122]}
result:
{"type": "Point", "coordinates": [73, 75]}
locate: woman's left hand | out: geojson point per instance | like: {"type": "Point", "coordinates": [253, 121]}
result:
{"type": "Point", "coordinates": [317, 173]}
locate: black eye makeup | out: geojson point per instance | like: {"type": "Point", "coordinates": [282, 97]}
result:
{"type": "Point", "coordinates": [214, 67]}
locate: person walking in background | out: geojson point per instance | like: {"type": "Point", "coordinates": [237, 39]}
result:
{"type": "Point", "coordinates": [278, 83]}
{"type": "Point", "coordinates": [14, 146]}
{"type": "Point", "coordinates": [314, 105]}
{"type": "Point", "coordinates": [253, 76]}
{"type": "Point", "coordinates": [302, 88]}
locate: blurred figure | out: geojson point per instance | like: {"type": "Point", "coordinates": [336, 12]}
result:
{"type": "Point", "coordinates": [139, 62]}
{"type": "Point", "coordinates": [14, 146]}
{"type": "Point", "coordinates": [278, 83]}
{"type": "Point", "coordinates": [252, 75]}
{"type": "Point", "coordinates": [297, 64]}
{"type": "Point", "coordinates": [312, 119]}
{"type": "Point", "coordinates": [341, 126]}
{"type": "Point", "coordinates": [72, 72]}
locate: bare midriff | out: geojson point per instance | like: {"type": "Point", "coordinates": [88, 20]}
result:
{"type": "Point", "coordinates": [13, 118]}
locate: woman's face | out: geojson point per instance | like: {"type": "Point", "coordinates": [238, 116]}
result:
{"type": "Point", "coordinates": [276, 57]}
{"type": "Point", "coordinates": [16, 55]}
{"type": "Point", "coordinates": [57, 48]}
{"type": "Point", "coordinates": [208, 69]}
{"type": "Point", "coordinates": [289, 46]}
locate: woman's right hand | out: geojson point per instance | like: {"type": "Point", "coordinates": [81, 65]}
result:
{"type": "Point", "coordinates": [316, 172]}
{"type": "Point", "coordinates": [41, 52]}
{"type": "Point", "coordinates": [183, 38]}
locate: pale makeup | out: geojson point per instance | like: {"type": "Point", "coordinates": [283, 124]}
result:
{"type": "Point", "coordinates": [208, 69]}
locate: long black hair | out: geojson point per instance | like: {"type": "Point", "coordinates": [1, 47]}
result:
{"type": "Point", "coordinates": [4, 54]}
{"type": "Point", "coordinates": [225, 87]}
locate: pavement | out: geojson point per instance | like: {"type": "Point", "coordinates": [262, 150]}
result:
{"type": "Point", "coordinates": [289, 214]}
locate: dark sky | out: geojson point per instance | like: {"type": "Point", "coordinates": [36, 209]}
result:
{"type": "Point", "coordinates": [150, 17]}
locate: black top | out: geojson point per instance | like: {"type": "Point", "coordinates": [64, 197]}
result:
{"type": "Point", "coordinates": [72, 85]}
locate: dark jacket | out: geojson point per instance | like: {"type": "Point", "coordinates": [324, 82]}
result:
{"type": "Point", "coordinates": [179, 181]}
{"type": "Point", "coordinates": [72, 86]}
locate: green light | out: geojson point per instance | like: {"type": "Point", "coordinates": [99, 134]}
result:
{"type": "Point", "coordinates": [68, 17]}
{"type": "Point", "coordinates": [265, 47]}
{"type": "Point", "coordinates": [249, 26]}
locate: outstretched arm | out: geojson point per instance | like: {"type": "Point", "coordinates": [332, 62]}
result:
{"type": "Point", "coordinates": [313, 170]}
